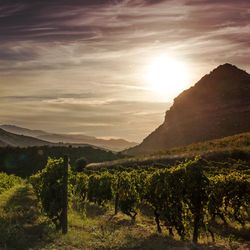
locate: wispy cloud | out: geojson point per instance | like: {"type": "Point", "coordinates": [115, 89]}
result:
{"type": "Point", "coordinates": [85, 60]}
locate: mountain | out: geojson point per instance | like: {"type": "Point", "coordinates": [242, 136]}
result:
{"type": "Point", "coordinates": [111, 144]}
{"type": "Point", "coordinates": [218, 105]}
{"type": "Point", "coordinates": [22, 131]}
{"type": "Point", "coordinates": [14, 140]}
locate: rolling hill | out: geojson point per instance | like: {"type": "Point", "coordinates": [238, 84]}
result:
{"type": "Point", "coordinates": [216, 106]}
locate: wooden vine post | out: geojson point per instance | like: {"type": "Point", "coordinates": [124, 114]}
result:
{"type": "Point", "coordinates": [64, 220]}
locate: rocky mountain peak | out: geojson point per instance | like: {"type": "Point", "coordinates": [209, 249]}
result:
{"type": "Point", "coordinates": [218, 105]}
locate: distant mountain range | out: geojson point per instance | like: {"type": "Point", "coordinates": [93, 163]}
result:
{"type": "Point", "coordinates": [14, 140]}
{"type": "Point", "coordinates": [216, 106]}
{"type": "Point", "coordinates": [44, 137]}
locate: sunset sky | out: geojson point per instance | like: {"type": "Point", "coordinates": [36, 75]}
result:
{"type": "Point", "coordinates": [84, 66]}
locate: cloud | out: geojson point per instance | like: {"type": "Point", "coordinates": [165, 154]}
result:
{"type": "Point", "coordinates": [113, 118]}
{"type": "Point", "coordinates": [67, 65]}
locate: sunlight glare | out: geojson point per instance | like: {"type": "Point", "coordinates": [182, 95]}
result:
{"type": "Point", "coordinates": [167, 76]}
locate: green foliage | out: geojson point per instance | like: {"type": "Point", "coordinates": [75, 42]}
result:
{"type": "Point", "coordinates": [79, 190]}
{"type": "Point", "coordinates": [80, 184]}
{"type": "Point", "coordinates": [178, 197]}
{"type": "Point", "coordinates": [100, 189]}
{"type": "Point", "coordinates": [186, 198]}
{"type": "Point", "coordinates": [8, 181]}
{"type": "Point", "coordinates": [48, 186]}
{"type": "Point", "coordinates": [128, 194]}
{"type": "Point", "coordinates": [230, 197]}
{"type": "Point", "coordinates": [196, 193]}
{"type": "Point", "coordinates": [174, 207]}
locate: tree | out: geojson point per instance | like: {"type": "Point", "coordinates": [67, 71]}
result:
{"type": "Point", "coordinates": [81, 164]}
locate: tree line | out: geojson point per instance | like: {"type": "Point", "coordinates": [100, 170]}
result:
{"type": "Point", "coordinates": [24, 162]}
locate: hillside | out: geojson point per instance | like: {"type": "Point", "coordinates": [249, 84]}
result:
{"type": "Point", "coordinates": [237, 147]}
{"type": "Point", "coordinates": [111, 144]}
{"type": "Point", "coordinates": [216, 106]}
{"type": "Point", "coordinates": [14, 140]}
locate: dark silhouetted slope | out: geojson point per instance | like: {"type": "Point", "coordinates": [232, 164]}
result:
{"type": "Point", "coordinates": [216, 106]}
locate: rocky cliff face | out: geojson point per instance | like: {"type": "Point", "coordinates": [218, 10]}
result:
{"type": "Point", "coordinates": [218, 105]}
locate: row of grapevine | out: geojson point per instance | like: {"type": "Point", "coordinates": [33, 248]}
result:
{"type": "Point", "coordinates": [50, 186]}
{"type": "Point", "coordinates": [184, 198]}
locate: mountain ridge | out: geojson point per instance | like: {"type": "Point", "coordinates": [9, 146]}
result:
{"type": "Point", "coordinates": [218, 105]}
{"type": "Point", "coordinates": [14, 140]}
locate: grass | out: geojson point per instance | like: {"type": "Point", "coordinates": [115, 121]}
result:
{"type": "Point", "coordinates": [23, 226]}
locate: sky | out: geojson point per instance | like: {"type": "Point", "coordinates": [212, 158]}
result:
{"type": "Point", "coordinates": [74, 66]}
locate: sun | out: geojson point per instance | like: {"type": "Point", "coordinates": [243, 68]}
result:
{"type": "Point", "coordinates": [167, 76]}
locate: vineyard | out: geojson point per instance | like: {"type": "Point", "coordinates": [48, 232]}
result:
{"type": "Point", "coordinates": [187, 201]}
